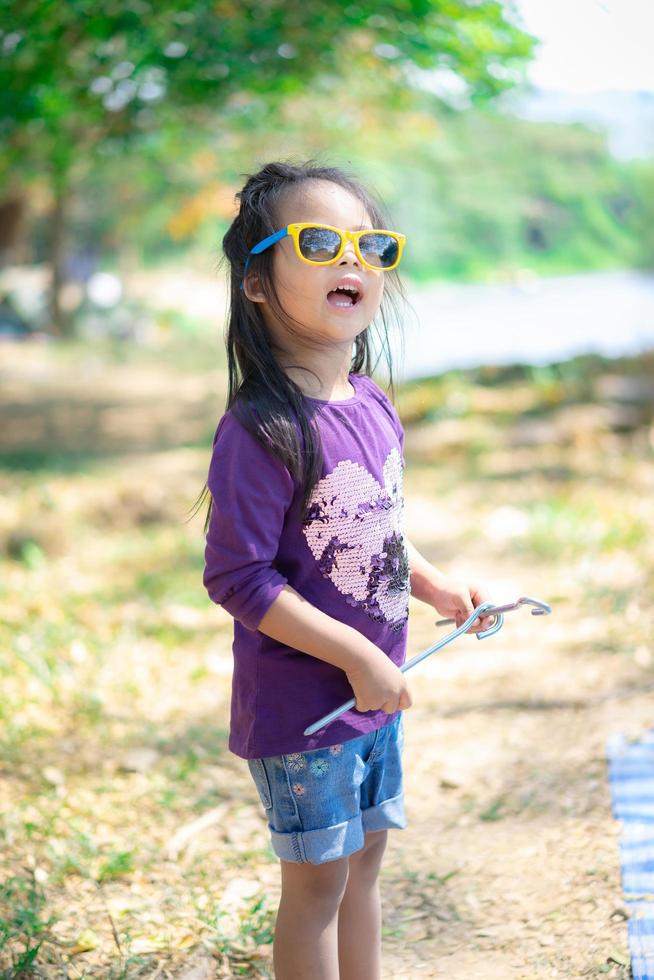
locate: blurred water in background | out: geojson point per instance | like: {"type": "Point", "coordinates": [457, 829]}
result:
{"type": "Point", "coordinates": [534, 321]}
{"type": "Point", "coordinates": [447, 325]}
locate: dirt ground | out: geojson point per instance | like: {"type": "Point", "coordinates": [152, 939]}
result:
{"type": "Point", "coordinates": [146, 836]}
{"type": "Point", "coordinates": [509, 866]}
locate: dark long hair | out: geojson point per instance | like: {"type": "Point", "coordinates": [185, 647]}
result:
{"type": "Point", "coordinates": [262, 395]}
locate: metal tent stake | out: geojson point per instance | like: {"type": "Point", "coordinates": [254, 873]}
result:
{"type": "Point", "coordinates": [484, 609]}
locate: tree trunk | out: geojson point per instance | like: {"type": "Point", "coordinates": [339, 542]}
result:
{"type": "Point", "coordinates": [12, 210]}
{"type": "Point", "coordinates": [58, 320]}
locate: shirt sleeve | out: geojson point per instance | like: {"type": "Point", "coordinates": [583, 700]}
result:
{"type": "Point", "coordinates": [251, 491]}
{"type": "Point", "coordinates": [392, 413]}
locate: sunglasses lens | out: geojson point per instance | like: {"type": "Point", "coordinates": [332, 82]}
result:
{"type": "Point", "coordinates": [379, 250]}
{"type": "Point", "coordinates": [319, 244]}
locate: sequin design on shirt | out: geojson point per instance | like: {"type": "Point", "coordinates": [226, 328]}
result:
{"type": "Point", "coordinates": [354, 528]}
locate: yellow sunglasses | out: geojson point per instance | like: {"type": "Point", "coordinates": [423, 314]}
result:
{"type": "Point", "coordinates": [319, 244]}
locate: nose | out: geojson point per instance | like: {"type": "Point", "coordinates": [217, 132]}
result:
{"type": "Point", "coordinates": [349, 254]}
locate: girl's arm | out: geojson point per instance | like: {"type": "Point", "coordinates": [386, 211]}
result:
{"type": "Point", "coordinates": [450, 597]}
{"type": "Point", "coordinates": [375, 680]}
{"type": "Point", "coordinates": [426, 580]}
{"type": "Point", "coordinates": [295, 621]}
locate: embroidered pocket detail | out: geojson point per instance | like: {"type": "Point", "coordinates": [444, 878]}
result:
{"type": "Point", "coordinates": [335, 749]}
{"type": "Point", "coordinates": [296, 762]}
{"type": "Point", "coordinates": [319, 767]}
{"type": "Point", "coordinates": [298, 789]}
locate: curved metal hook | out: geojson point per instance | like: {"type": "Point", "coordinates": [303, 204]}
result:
{"type": "Point", "coordinates": [491, 629]}
{"type": "Point", "coordinates": [479, 611]}
{"type": "Point", "coordinates": [542, 609]}
{"type": "Point", "coordinates": [483, 609]}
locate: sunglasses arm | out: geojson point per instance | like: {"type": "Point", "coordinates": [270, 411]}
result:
{"type": "Point", "coordinates": [266, 243]}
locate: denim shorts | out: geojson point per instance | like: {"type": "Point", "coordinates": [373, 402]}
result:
{"type": "Point", "coordinates": [320, 803]}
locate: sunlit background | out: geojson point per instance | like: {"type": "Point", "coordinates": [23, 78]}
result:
{"type": "Point", "coordinates": [513, 144]}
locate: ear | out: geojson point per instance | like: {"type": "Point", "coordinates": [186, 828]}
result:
{"type": "Point", "coordinates": [252, 288]}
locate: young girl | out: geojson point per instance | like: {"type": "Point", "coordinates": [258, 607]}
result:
{"type": "Point", "coordinates": [305, 548]}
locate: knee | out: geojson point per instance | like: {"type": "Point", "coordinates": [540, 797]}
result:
{"type": "Point", "coordinates": [365, 864]}
{"type": "Point", "coordinates": [316, 885]}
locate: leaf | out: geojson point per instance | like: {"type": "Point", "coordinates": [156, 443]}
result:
{"type": "Point", "coordinates": [86, 941]}
{"type": "Point", "coordinates": [618, 958]}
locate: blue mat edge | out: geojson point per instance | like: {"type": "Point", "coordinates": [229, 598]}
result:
{"type": "Point", "coordinates": [636, 833]}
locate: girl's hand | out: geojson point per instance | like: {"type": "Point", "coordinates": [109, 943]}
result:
{"type": "Point", "coordinates": [378, 683]}
{"type": "Point", "coordinates": [457, 600]}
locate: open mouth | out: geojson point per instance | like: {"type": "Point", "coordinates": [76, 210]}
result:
{"type": "Point", "coordinates": [344, 297]}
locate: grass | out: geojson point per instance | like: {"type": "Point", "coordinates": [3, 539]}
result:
{"type": "Point", "coordinates": [23, 920]}
{"type": "Point", "coordinates": [565, 525]}
{"type": "Point", "coordinates": [115, 666]}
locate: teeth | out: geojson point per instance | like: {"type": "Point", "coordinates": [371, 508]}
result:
{"type": "Point", "coordinates": [349, 289]}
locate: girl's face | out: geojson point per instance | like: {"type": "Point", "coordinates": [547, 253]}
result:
{"type": "Point", "coordinates": [306, 292]}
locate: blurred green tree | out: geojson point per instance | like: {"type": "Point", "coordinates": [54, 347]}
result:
{"type": "Point", "coordinates": [79, 79]}
{"type": "Point", "coordinates": [642, 219]}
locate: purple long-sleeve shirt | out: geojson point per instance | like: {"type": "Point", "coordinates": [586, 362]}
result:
{"type": "Point", "coordinates": [349, 559]}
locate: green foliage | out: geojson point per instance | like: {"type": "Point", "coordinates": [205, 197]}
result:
{"type": "Point", "coordinates": [482, 193]}
{"type": "Point", "coordinates": [561, 526]}
{"type": "Point", "coordinates": [479, 193]}
{"type": "Point", "coordinates": [255, 926]}
{"type": "Point", "coordinates": [117, 865]}
{"type": "Point", "coordinates": [22, 920]}
{"type": "Point", "coordinates": [82, 85]}
{"type": "Point", "coordinates": [77, 77]}
{"type": "Point", "coordinates": [641, 219]}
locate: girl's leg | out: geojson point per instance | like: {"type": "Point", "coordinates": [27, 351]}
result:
{"type": "Point", "coordinates": [306, 932]}
{"type": "Point", "coordinates": [359, 917]}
